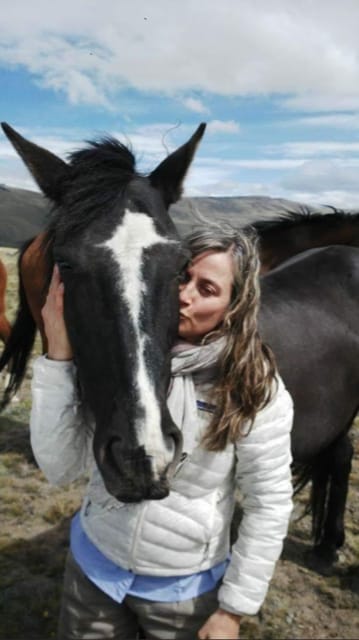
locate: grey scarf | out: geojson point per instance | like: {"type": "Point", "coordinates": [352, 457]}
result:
{"type": "Point", "coordinates": [191, 365]}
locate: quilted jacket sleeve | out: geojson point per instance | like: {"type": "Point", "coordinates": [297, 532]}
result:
{"type": "Point", "coordinates": [60, 439]}
{"type": "Point", "coordinates": [264, 480]}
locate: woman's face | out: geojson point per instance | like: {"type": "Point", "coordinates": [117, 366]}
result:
{"type": "Point", "coordinates": [205, 294]}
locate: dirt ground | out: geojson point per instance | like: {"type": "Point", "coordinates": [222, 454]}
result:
{"type": "Point", "coordinates": [34, 538]}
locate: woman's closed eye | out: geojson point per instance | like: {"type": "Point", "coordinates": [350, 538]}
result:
{"type": "Point", "coordinates": [207, 289]}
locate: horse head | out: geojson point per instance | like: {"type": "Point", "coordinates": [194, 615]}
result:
{"type": "Point", "coordinates": [119, 256]}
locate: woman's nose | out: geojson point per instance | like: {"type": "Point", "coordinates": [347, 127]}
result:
{"type": "Point", "coordinates": [185, 293]}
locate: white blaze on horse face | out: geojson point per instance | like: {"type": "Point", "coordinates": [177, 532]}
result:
{"type": "Point", "coordinates": [136, 233]}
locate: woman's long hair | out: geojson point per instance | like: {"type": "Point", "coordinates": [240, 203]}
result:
{"type": "Point", "coordinates": [246, 367]}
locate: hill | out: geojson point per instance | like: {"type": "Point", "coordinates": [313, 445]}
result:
{"type": "Point", "coordinates": [24, 213]}
{"type": "Point", "coordinates": [238, 211]}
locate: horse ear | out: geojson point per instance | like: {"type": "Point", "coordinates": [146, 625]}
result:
{"type": "Point", "coordinates": [169, 175]}
{"type": "Point", "coordinates": [48, 170]}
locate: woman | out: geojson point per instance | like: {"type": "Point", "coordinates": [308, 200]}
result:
{"type": "Point", "coordinates": [235, 415]}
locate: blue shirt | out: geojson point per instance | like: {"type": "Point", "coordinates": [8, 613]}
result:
{"type": "Point", "coordinates": [117, 582]}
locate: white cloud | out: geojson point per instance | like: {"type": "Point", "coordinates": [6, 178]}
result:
{"type": "Point", "coordinates": [331, 197]}
{"type": "Point", "coordinates": [151, 143]}
{"type": "Point", "coordinates": [7, 151]}
{"type": "Point", "coordinates": [307, 149]}
{"type": "Point", "coordinates": [235, 47]}
{"type": "Point", "coordinates": [60, 145]}
{"type": "Point", "coordinates": [322, 175]}
{"type": "Point", "coordinates": [223, 126]}
{"type": "Point", "coordinates": [334, 101]}
{"type": "Point", "coordinates": [334, 120]}
{"type": "Point", "coordinates": [258, 163]}
{"type": "Point", "coordinates": [313, 172]}
{"type": "Point", "coordinates": [313, 182]}
{"type": "Point", "coordinates": [195, 105]}
{"type": "Point", "coordinates": [18, 180]}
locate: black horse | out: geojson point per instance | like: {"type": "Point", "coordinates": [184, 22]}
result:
{"type": "Point", "coordinates": [119, 256]}
{"type": "Point", "coordinates": [296, 231]}
{"type": "Point", "coordinates": [309, 316]}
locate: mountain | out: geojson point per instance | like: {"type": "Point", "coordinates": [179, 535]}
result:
{"type": "Point", "coordinates": [237, 211]}
{"type": "Point", "coordinates": [23, 213]}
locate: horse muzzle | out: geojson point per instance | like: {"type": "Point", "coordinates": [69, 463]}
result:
{"type": "Point", "coordinates": [132, 475]}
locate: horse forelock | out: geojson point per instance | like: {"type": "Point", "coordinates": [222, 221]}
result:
{"type": "Point", "coordinates": [105, 154]}
{"type": "Point", "coordinates": [98, 177]}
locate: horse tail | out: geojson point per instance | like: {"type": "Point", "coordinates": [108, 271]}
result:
{"type": "Point", "coordinates": [19, 345]}
{"type": "Point", "coordinates": [317, 473]}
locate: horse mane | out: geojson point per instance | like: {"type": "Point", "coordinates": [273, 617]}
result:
{"type": "Point", "coordinates": [293, 218]}
{"type": "Point", "coordinates": [99, 173]}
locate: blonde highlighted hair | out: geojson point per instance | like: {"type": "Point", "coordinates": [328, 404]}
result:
{"type": "Point", "coordinates": [246, 367]}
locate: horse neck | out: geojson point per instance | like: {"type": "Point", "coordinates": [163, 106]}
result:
{"type": "Point", "coordinates": [278, 245]}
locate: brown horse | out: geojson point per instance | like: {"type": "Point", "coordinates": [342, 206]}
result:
{"type": "Point", "coordinates": [5, 327]}
{"type": "Point", "coordinates": [32, 270]}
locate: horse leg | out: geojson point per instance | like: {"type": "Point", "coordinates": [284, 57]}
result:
{"type": "Point", "coordinates": [5, 328]}
{"type": "Point", "coordinates": [329, 532]}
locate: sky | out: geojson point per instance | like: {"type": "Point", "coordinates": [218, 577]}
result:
{"type": "Point", "coordinates": [276, 81]}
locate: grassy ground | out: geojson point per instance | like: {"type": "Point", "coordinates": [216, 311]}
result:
{"type": "Point", "coordinates": [34, 538]}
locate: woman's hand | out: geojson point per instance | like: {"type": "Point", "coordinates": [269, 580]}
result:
{"type": "Point", "coordinates": [59, 347]}
{"type": "Point", "coordinates": [221, 625]}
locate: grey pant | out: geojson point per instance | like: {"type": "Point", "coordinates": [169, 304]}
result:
{"type": "Point", "coordinates": [89, 614]}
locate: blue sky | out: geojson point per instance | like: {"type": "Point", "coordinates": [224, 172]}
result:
{"type": "Point", "coordinates": [277, 82]}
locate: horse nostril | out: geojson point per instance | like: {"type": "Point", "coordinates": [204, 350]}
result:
{"type": "Point", "coordinates": [129, 474]}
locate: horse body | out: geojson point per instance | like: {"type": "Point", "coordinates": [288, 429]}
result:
{"type": "Point", "coordinates": [119, 256]}
{"type": "Point", "coordinates": [317, 356]}
{"type": "Point", "coordinates": [309, 312]}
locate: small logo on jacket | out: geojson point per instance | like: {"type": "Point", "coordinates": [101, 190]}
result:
{"type": "Point", "coordinates": [206, 406]}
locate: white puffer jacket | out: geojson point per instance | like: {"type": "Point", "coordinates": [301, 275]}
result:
{"type": "Point", "coordinates": [189, 530]}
